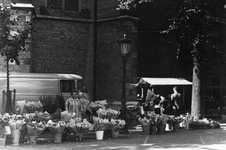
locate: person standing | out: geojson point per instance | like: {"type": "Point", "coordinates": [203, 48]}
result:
{"type": "Point", "coordinates": [176, 101]}
{"type": "Point", "coordinates": [73, 104]}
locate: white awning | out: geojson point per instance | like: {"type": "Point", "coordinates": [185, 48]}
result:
{"type": "Point", "coordinates": [167, 81]}
{"type": "Point", "coordinates": [22, 5]}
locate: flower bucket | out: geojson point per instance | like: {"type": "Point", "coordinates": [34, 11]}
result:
{"type": "Point", "coordinates": [99, 135]}
{"type": "Point", "coordinates": [153, 129]}
{"type": "Point", "coordinates": [223, 117]}
{"type": "Point", "coordinates": [115, 134]}
{"type": "Point", "coordinates": [32, 138]}
{"type": "Point", "coordinates": [161, 128]}
{"type": "Point", "coordinates": [169, 127]}
{"type": "Point", "coordinates": [186, 125]}
{"type": "Point", "coordinates": [146, 129]}
{"type": "Point", "coordinates": [2, 141]}
{"type": "Point", "coordinates": [57, 137]}
{"type": "Point", "coordinates": [175, 126]}
{"type": "Point", "coordinates": [16, 137]}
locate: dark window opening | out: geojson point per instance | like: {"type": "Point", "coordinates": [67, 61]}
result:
{"type": "Point", "coordinates": [71, 5]}
{"type": "Point", "coordinates": [68, 5]}
{"type": "Point", "coordinates": [67, 86]}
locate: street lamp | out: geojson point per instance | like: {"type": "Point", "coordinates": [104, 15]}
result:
{"type": "Point", "coordinates": [125, 44]}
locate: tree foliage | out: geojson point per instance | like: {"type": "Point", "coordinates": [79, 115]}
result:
{"type": "Point", "coordinates": [195, 21]}
{"type": "Point", "coordinates": [12, 43]}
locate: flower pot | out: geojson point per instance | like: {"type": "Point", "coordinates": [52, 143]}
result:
{"type": "Point", "coordinates": [169, 127]}
{"type": "Point", "coordinates": [175, 126]}
{"type": "Point", "coordinates": [57, 137]}
{"type": "Point", "coordinates": [32, 138]}
{"type": "Point", "coordinates": [161, 128]}
{"type": "Point", "coordinates": [2, 141]}
{"type": "Point", "coordinates": [99, 135]}
{"type": "Point", "coordinates": [16, 137]}
{"type": "Point", "coordinates": [146, 129]}
{"type": "Point", "coordinates": [115, 134]}
{"type": "Point", "coordinates": [153, 129]}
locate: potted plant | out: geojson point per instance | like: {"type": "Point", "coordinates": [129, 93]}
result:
{"type": "Point", "coordinates": [4, 128]}
{"type": "Point", "coordinates": [118, 124]}
{"type": "Point", "coordinates": [145, 124]}
{"type": "Point", "coordinates": [34, 129]}
{"type": "Point", "coordinates": [154, 121]}
{"type": "Point", "coordinates": [57, 129]}
{"type": "Point", "coordinates": [100, 125]}
{"type": "Point", "coordinates": [16, 122]}
{"type": "Point", "coordinates": [162, 123]}
{"type": "Point", "coordinates": [78, 127]}
{"type": "Point", "coordinates": [51, 103]}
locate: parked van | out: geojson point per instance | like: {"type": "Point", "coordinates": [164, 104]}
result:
{"type": "Point", "coordinates": [30, 86]}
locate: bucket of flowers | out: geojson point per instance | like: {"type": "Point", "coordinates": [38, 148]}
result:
{"type": "Point", "coordinates": [57, 129]}
{"type": "Point", "coordinates": [16, 123]}
{"type": "Point", "coordinates": [34, 128]}
{"type": "Point", "coordinates": [185, 121]}
{"type": "Point", "coordinates": [162, 123]}
{"type": "Point", "coordinates": [175, 120]}
{"type": "Point", "coordinates": [154, 121]}
{"type": "Point", "coordinates": [78, 127]}
{"type": "Point", "coordinates": [145, 124]}
{"type": "Point", "coordinates": [118, 124]}
{"type": "Point", "coordinates": [4, 128]}
{"type": "Point", "coordinates": [100, 125]}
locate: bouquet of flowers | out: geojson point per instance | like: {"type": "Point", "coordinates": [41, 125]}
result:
{"type": "Point", "coordinates": [43, 116]}
{"type": "Point", "coordinates": [111, 113]}
{"type": "Point", "coordinates": [4, 121]}
{"type": "Point", "coordinates": [163, 119]}
{"type": "Point", "coordinates": [144, 121]}
{"type": "Point", "coordinates": [78, 125]}
{"type": "Point", "coordinates": [175, 119]}
{"type": "Point", "coordinates": [102, 113]}
{"type": "Point", "coordinates": [29, 117]}
{"type": "Point", "coordinates": [101, 124]}
{"type": "Point", "coordinates": [56, 127]}
{"type": "Point", "coordinates": [16, 122]}
{"type": "Point", "coordinates": [98, 104]}
{"type": "Point", "coordinates": [33, 106]}
{"type": "Point", "coordinates": [66, 116]}
{"type": "Point", "coordinates": [35, 128]}
{"type": "Point", "coordinates": [117, 124]}
{"type": "Point", "coordinates": [154, 119]}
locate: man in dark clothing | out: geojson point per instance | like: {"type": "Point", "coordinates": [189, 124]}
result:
{"type": "Point", "coordinates": [176, 101]}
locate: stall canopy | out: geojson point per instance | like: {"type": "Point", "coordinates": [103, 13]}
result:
{"type": "Point", "coordinates": [167, 81]}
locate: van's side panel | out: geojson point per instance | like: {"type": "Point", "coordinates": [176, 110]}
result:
{"type": "Point", "coordinates": [32, 88]}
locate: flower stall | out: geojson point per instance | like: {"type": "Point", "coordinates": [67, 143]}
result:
{"type": "Point", "coordinates": [37, 118]}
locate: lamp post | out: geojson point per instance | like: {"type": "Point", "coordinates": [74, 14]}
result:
{"type": "Point", "coordinates": [125, 44]}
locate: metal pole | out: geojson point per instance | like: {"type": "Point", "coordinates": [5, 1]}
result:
{"type": "Point", "coordinates": [94, 49]}
{"type": "Point", "coordinates": [123, 114]}
{"type": "Point", "coordinates": [8, 93]}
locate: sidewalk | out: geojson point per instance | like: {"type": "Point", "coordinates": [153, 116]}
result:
{"type": "Point", "coordinates": [203, 139]}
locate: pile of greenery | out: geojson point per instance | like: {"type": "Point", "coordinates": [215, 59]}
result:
{"type": "Point", "coordinates": [52, 103]}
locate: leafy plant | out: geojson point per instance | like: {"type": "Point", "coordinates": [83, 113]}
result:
{"type": "Point", "coordinates": [50, 103]}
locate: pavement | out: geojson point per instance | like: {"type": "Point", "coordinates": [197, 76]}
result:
{"type": "Point", "coordinates": [199, 139]}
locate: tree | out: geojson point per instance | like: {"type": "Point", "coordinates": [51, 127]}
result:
{"type": "Point", "coordinates": [197, 20]}
{"type": "Point", "coordinates": [13, 40]}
